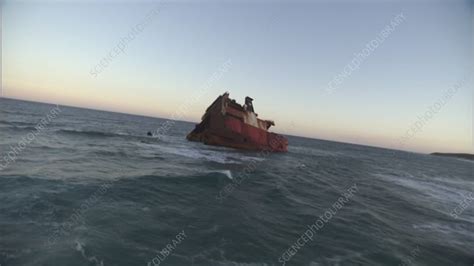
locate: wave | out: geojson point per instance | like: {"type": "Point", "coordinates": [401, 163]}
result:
{"type": "Point", "coordinates": [216, 256]}
{"type": "Point", "coordinates": [434, 190]}
{"type": "Point", "coordinates": [227, 173]}
{"type": "Point", "coordinates": [19, 128]}
{"type": "Point", "coordinates": [102, 134]}
{"type": "Point", "coordinates": [108, 153]}
{"type": "Point", "coordinates": [218, 156]}
{"type": "Point", "coordinates": [211, 177]}
{"type": "Point", "coordinates": [16, 123]}
{"type": "Point", "coordinates": [92, 259]}
{"type": "Point", "coordinates": [87, 133]}
{"type": "Point", "coordinates": [19, 113]}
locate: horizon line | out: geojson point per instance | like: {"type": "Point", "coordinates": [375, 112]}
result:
{"type": "Point", "coordinates": [194, 122]}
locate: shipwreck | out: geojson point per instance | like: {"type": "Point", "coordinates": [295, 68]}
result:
{"type": "Point", "coordinates": [227, 123]}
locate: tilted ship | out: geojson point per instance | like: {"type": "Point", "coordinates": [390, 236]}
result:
{"type": "Point", "coordinates": [227, 123]}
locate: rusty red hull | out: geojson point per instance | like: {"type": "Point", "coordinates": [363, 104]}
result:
{"type": "Point", "coordinates": [226, 123]}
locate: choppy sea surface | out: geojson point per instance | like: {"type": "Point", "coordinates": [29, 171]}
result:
{"type": "Point", "coordinates": [92, 188]}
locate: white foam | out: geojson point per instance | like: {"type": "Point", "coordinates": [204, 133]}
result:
{"type": "Point", "coordinates": [219, 156]}
{"type": "Point", "coordinates": [446, 229]}
{"type": "Point", "coordinates": [227, 173]}
{"type": "Point", "coordinates": [430, 187]}
{"type": "Point", "coordinates": [80, 247]}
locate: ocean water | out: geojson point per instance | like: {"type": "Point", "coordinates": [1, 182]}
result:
{"type": "Point", "coordinates": [91, 188]}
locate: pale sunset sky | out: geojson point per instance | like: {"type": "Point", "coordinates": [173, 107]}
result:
{"type": "Point", "coordinates": [282, 53]}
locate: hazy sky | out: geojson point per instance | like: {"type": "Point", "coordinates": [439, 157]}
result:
{"type": "Point", "coordinates": [283, 54]}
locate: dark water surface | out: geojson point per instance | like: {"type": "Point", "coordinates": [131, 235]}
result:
{"type": "Point", "coordinates": [93, 189]}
